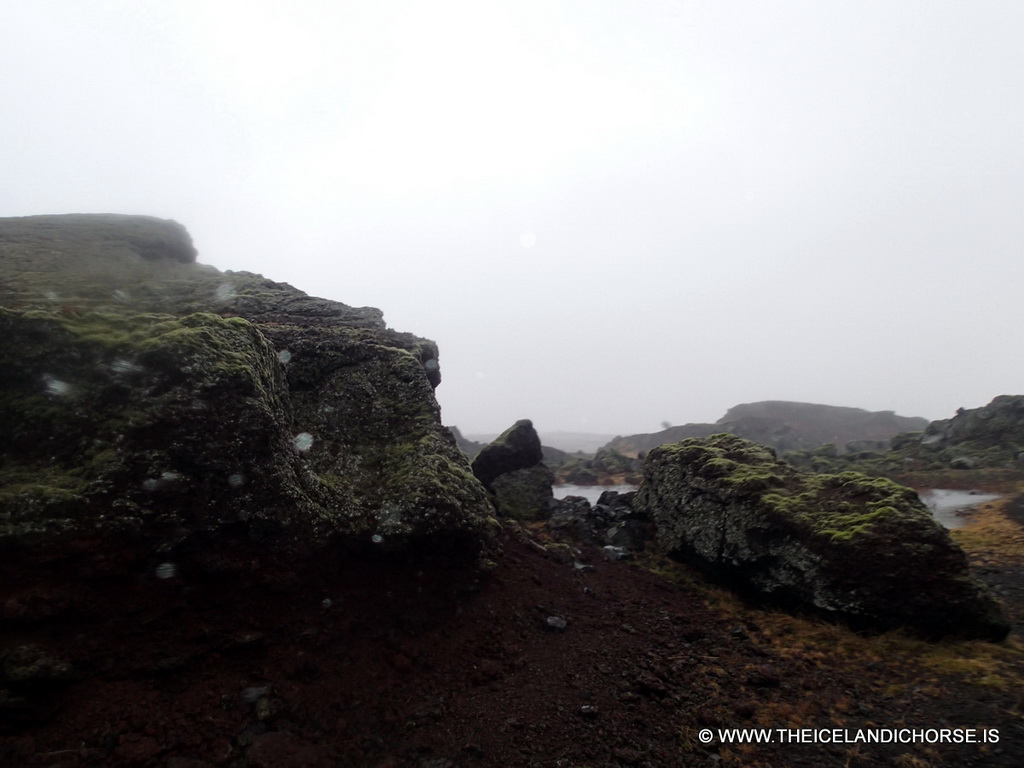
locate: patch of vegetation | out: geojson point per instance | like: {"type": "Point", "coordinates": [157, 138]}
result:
{"type": "Point", "coordinates": [830, 645]}
{"type": "Point", "coordinates": [992, 532]}
{"type": "Point", "coordinates": [842, 506]}
{"type": "Point", "coordinates": [839, 506]}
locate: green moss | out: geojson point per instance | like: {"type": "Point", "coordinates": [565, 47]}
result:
{"type": "Point", "coordinates": [32, 500]}
{"type": "Point", "coordinates": [115, 331]}
{"type": "Point", "coordinates": [839, 506]}
{"type": "Point", "coordinates": [842, 506]}
{"type": "Point", "coordinates": [740, 464]}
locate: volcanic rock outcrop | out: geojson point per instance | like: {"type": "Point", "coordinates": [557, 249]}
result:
{"type": "Point", "coordinates": [990, 436]}
{"type": "Point", "coordinates": [861, 549]}
{"type": "Point", "coordinates": [149, 399]}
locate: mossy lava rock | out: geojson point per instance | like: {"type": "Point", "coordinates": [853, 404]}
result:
{"type": "Point", "coordinates": [149, 399]}
{"type": "Point", "coordinates": [860, 549]}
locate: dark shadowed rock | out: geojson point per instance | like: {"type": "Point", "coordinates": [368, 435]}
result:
{"type": "Point", "coordinates": [611, 520]}
{"type": "Point", "coordinates": [149, 399]}
{"type": "Point", "coordinates": [511, 468]}
{"type": "Point", "coordinates": [525, 494]}
{"type": "Point", "coordinates": [858, 548]}
{"type": "Point", "coordinates": [518, 447]}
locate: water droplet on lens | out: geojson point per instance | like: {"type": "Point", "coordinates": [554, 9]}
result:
{"type": "Point", "coordinates": [431, 365]}
{"type": "Point", "coordinates": [225, 292]}
{"type": "Point", "coordinates": [166, 571]}
{"type": "Point", "coordinates": [376, 538]}
{"type": "Point", "coordinates": [302, 442]}
{"type": "Point", "coordinates": [284, 356]}
{"type": "Point", "coordinates": [122, 365]}
{"type": "Point", "coordinates": [237, 480]}
{"type": "Point", "coordinates": [55, 386]}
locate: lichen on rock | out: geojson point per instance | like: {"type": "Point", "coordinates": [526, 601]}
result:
{"type": "Point", "coordinates": [151, 398]}
{"type": "Point", "coordinates": [862, 549]}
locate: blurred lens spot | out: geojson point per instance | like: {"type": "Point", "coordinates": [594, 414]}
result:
{"type": "Point", "coordinates": [55, 386]}
{"type": "Point", "coordinates": [166, 571]}
{"type": "Point", "coordinates": [225, 292]}
{"type": "Point", "coordinates": [123, 365]}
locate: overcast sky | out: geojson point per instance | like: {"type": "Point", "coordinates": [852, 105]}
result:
{"type": "Point", "coordinates": [607, 214]}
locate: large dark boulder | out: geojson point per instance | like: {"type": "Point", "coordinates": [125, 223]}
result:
{"type": "Point", "coordinates": [861, 549]}
{"type": "Point", "coordinates": [152, 400]}
{"type": "Point", "coordinates": [525, 494]}
{"type": "Point", "coordinates": [518, 447]}
{"type": "Point", "coordinates": [512, 469]}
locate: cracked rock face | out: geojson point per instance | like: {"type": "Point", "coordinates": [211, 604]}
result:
{"type": "Point", "coordinates": [151, 399]}
{"type": "Point", "coordinates": [857, 548]}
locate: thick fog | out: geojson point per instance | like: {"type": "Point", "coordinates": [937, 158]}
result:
{"type": "Point", "coordinates": [607, 214]}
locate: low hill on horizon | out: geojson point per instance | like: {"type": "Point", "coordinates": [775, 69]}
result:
{"type": "Point", "coordinates": [570, 442]}
{"type": "Point", "coordinates": [787, 426]}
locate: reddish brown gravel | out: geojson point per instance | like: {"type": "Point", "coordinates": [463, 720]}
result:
{"type": "Point", "coordinates": [388, 663]}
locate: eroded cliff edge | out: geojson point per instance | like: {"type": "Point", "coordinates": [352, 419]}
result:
{"type": "Point", "coordinates": [154, 403]}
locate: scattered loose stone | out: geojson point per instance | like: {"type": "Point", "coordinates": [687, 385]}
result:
{"type": "Point", "coordinates": [555, 623]}
{"type": "Point", "coordinates": [616, 553]}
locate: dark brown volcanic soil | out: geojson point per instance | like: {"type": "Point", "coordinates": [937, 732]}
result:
{"type": "Point", "coordinates": [419, 665]}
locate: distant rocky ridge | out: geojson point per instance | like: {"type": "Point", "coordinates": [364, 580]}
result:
{"type": "Point", "coordinates": [786, 426]}
{"type": "Point", "coordinates": [992, 435]}
{"type": "Point", "coordinates": [151, 399]}
{"type": "Point", "coordinates": [978, 447]}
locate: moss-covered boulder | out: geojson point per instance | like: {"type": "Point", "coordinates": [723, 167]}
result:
{"type": "Point", "coordinates": [147, 398]}
{"type": "Point", "coordinates": [861, 549]}
{"type": "Point", "coordinates": [525, 494]}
